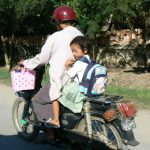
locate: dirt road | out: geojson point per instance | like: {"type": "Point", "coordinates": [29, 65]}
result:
{"type": "Point", "coordinates": [9, 139]}
{"type": "Point", "coordinates": [142, 132]}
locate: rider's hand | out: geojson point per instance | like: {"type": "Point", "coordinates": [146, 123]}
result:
{"type": "Point", "coordinates": [19, 66]}
{"type": "Point", "coordinates": [21, 62]}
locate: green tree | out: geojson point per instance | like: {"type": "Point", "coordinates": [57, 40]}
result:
{"type": "Point", "coordinates": [93, 14]}
{"type": "Point", "coordinates": [34, 16]}
{"type": "Point", "coordinates": [97, 16]}
{"type": "Point", "coordinates": [7, 26]}
{"type": "Point", "coordinates": [19, 17]}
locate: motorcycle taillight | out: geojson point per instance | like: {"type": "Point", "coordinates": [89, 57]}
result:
{"type": "Point", "coordinates": [127, 109]}
{"type": "Point", "coordinates": [110, 114]}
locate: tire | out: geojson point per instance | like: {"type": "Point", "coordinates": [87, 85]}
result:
{"type": "Point", "coordinates": [107, 134]}
{"type": "Point", "coordinates": [24, 120]}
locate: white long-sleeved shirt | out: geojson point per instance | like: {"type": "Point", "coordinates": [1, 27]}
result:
{"type": "Point", "coordinates": [55, 51]}
{"type": "Point", "coordinates": [78, 69]}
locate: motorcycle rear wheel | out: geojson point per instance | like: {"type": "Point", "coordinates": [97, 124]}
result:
{"type": "Point", "coordinates": [24, 125]}
{"type": "Point", "coordinates": [107, 133]}
{"type": "Point", "coordinates": [104, 134]}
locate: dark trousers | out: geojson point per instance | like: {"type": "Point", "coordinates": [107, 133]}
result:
{"type": "Point", "coordinates": [42, 105]}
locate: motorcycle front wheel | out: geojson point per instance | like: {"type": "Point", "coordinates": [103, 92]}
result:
{"type": "Point", "coordinates": [24, 119]}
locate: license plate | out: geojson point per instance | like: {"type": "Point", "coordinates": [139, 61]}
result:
{"type": "Point", "coordinates": [128, 124]}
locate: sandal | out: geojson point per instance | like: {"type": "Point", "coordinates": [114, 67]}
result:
{"type": "Point", "coordinates": [49, 124]}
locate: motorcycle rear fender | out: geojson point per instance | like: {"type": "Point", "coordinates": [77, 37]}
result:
{"type": "Point", "coordinates": [127, 136]}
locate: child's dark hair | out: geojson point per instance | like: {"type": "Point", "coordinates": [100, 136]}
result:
{"type": "Point", "coordinates": [82, 42]}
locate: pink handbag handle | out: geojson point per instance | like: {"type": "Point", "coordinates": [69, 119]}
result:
{"type": "Point", "coordinates": [23, 70]}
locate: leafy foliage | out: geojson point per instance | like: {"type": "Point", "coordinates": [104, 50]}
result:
{"type": "Point", "coordinates": [32, 16]}
{"type": "Point", "coordinates": [93, 14]}
{"type": "Point", "coordinates": [25, 17]}
{"type": "Point", "coordinates": [6, 15]}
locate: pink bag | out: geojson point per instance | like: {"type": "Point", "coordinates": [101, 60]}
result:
{"type": "Point", "coordinates": [23, 80]}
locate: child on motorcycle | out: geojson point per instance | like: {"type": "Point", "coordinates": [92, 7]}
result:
{"type": "Point", "coordinates": [75, 68]}
{"type": "Point", "coordinates": [80, 47]}
{"type": "Point", "coordinates": [72, 97]}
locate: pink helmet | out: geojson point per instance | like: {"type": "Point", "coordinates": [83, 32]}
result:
{"type": "Point", "coordinates": [64, 13]}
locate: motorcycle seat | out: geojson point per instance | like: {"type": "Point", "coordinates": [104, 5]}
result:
{"type": "Point", "coordinates": [106, 99]}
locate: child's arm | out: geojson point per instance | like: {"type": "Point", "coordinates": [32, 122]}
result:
{"type": "Point", "coordinates": [69, 63]}
{"type": "Point", "coordinates": [73, 69]}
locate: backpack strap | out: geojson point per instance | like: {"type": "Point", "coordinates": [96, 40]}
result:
{"type": "Point", "coordinates": [86, 82]}
{"type": "Point", "coordinates": [90, 65]}
{"type": "Point", "coordinates": [85, 60]}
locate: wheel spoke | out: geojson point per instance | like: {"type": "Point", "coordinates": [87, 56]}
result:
{"type": "Point", "coordinates": [24, 120]}
{"type": "Point", "coordinates": [104, 134]}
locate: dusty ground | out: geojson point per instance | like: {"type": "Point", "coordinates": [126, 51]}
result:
{"type": "Point", "coordinates": [9, 139]}
{"type": "Point", "coordinates": [129, 78]}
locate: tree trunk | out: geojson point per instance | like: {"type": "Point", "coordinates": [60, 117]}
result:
{"type": "Point", "coordinates": [107, 23]}
{"type": "Point", "coordinates": [7, 58]}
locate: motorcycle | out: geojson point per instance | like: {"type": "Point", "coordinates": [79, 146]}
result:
{"type": "Point", "coordinates": [104, 119]}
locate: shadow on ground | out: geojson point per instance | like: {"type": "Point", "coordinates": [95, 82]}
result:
{"type": "Point", "coordinates": [13, 142]}
{"type": "Point", "coordinates": [139, 70]}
